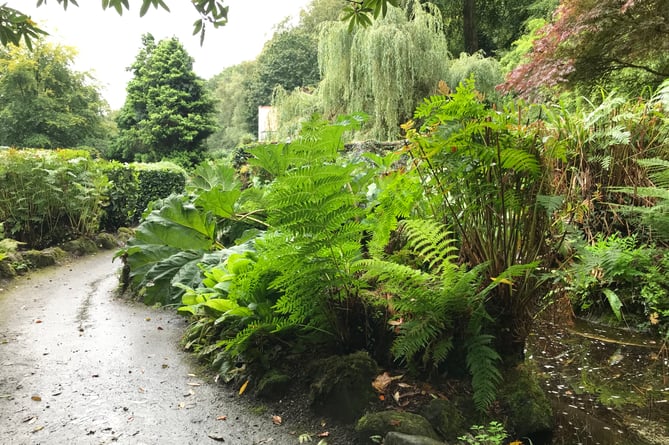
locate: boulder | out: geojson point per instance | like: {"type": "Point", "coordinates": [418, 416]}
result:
{"type": "Point", "coordinates": [342, 387]}
{"type": "Point", "coordinates": [445, 417]}
{"type": "Point", "coordinates": [383, 422]}
{"type": "Point", "coordinates": [395, 438]}
{"type": "Point", "coordinates": [529, 410]}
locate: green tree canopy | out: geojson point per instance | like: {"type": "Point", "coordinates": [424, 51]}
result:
{"type": "Point", "coordinates": [168, 113]}
{"type": "Point", "coordinates": [45, 103]}
{"type": "Point", "coordinates": [384, 69]}
{"type": "Point", "coordinates": [288, 60]}
{"type": "Point", "coordinates": [232, 107]}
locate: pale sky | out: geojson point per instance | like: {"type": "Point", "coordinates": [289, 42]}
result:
{"type": "Point", "coordinates": [108, 43]}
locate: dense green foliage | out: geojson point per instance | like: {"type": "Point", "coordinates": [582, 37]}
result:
{"type": "Point", "coordinates": [233, 109]}
{"type": "Point", "coordinates": [168, 113]}
{"type": "Point", "coordinates": [44, 102]}
{"type": "Point", "coordinates": [289, 60]}
{"type": "Point", "coordinates": [47, 197]}
{"type": "Point", "coordinates": [592, 41]}
{"type": "Point", "coordinates": [384, 69]}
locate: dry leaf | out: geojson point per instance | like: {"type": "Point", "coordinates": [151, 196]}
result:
{"type": "Point", "coordinates": [148, 318]}
{"type": "Point", "coordinates": [395, 422]}
{"type": "Point", "coordinates": [216, 437]}
{"type": "Point", "coordinates": [160, 328]}
{"type": "Point", "coordinates": [277, 420]}
{"type": "Point", "coordinates": [36, 398]}
{"type": "Point", "coordinates": [323, 434]}
{"type": "Point", "coordinates": [243, 388]}
{"type": "Point", "coordinates": [381, 382]}
{"type": "Point", "coordinates": [397, 396]}
{"type": "Point", "coordinates": [194, 384]}
{"type": "Point", "coordinates": [165, 366]}
{"type": "Point", "coordinates": [654, 318]}
{"type": "Point", "coordinates": [38, 321]}
{"type": "Point", "coordinates": [222, 418]}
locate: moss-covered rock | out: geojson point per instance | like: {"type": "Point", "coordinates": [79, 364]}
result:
{"type": "Point", "coordinates": [445, 416]}
{"type": "Point", "coordinates": [273, 385]}
{"type": "Point", "coordinates": [106, 241]}
{"type": "Point", "coordinates": [529, 410]}
{"type": "Point", "coordinates": [395, 438]}
{"type": "Point", "coordinates": [80, 247]}
{"type": "Point", "coordinates": [343, 386]}
{"type": "Point", "coordinates": [42, 258]}
{"type": "Point", "coordinates": [7, 269]}
{"type": "Point", "coordinates": [383, 422]}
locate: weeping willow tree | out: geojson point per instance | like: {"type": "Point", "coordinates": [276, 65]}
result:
{"type": "Point", "coordinates": [293, 109]}
{"type": "Point", "coordinates": [384, 69]}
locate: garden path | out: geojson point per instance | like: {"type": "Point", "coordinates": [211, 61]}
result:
{"type": "Point", "coordinates": [78, 365]}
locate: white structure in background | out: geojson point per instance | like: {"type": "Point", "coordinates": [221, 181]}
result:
{"type": "Point", "coordinates": [268, 124]}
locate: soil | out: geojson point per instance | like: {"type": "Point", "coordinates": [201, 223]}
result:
{"type": "Point", "coordinates": [78, 364]}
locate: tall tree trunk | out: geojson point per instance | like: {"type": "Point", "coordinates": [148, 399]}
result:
{"type": "Point", "coordinates": [469, 19]}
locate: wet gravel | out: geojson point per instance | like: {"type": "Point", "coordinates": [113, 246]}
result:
{"type": "Point", "coordinates": [79, 365]}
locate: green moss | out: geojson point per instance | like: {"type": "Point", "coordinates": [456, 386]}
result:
{"type": "Point", "coordinates": [381, 423]}
{"type": "Point", "coordinates": [445, 417]}
{"type": "Point", "coordinates": [342, 388]}
{"type": "Point", "coordinates": [526, 403]}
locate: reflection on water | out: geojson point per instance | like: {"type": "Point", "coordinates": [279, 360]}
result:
{"type": "Point", "coordinates": [608, 386]}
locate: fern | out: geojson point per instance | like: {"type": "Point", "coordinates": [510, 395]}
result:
{"type": "Point", "coordinates": [482, 362]}
{"type": "Point", "coordinates": [426, 300]}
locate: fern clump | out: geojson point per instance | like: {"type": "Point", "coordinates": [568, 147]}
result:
{"type": "Point", "coordinates": [432, 302]}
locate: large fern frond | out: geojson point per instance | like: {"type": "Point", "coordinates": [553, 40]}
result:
{"type": "Point", "coordinates": [482, 363]}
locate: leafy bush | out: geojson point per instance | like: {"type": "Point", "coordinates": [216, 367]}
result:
{"type": "Point", "coordinates": [121, 197]}
{"type": "Point", "coordinates": [618, 273]}
{"type": "Point", "coordinates": [47, 197]}
{"type": "Point", "coordinates": [158, 180]}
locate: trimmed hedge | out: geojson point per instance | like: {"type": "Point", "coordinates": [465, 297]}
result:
{"type": "Point", "coordinates": [158, 180]}
{"type": "Point", "coordinates": [133, 186]}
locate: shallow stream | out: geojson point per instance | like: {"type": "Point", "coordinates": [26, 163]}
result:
{"type": "Point", "coordinates": [607, 386]}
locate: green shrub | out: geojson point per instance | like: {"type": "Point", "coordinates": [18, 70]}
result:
{"type": "Point", "coordinates": [122, 195]}
{"type": "Point", "coordinates": [50, 196]}
{"type": "Point", "coordinates": [156, 181]}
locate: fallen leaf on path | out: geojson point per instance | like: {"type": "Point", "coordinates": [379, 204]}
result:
{"type": "Point", "coordinates": [194, 384]}
{"type": "Point", "coordinates": [243, 388]}
{"type": "Point", "coordinates": [38, 428]}
{"type": "Point", "coordinates": [222, 418]}
{"type": "Point", "coordinates": [160, 328]}
{"type": "Point", "coordinates": [38, 321]}
{"type": "Point", "coordinates": [182, 405]}
{"type": "Point", "coordinates": [165, 366]}
{"type": "Point", "coordinates": [29, 419]}
{"type": "Point", "coordinates": [148, 318]}
{"type": "Point", "coordinates": [276, 420]}
{"type": "Point", "coordinates": [36, 398]}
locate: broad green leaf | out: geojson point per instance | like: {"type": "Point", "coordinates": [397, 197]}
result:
{"type": "Point", "coordinates": [614, 302]}
{"type": "Point", "coordinates": [219, 201]}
